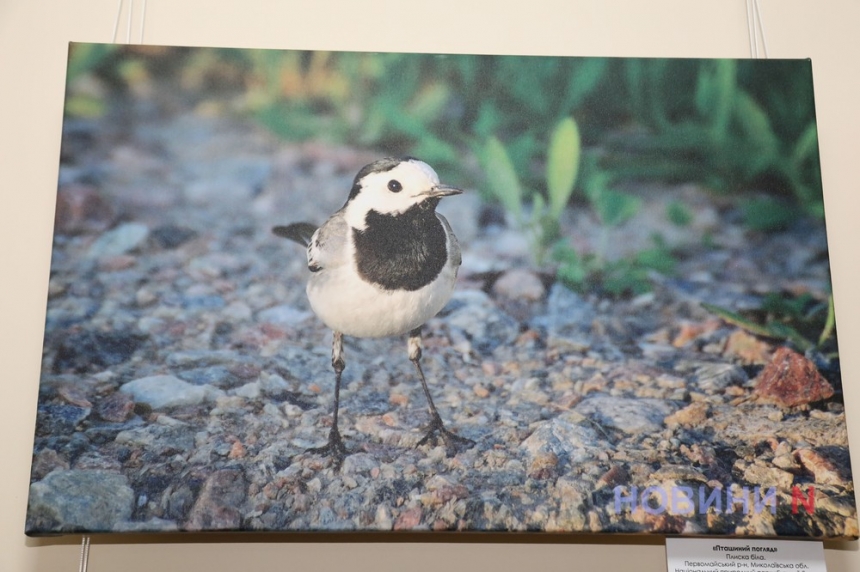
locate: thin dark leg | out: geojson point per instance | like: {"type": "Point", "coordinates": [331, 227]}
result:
{"type": "Point", "coordinates": [436, 429]}
{"type": "Point", "coordinates": [335, 446]}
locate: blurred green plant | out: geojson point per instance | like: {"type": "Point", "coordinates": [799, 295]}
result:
{"type": "Point", "coordinates": [733, 125]}
{"type": "Point", "coordinates": [626, 276]}
{"type": "Point", "coordinates": [541, 219]}
{"type": "Point", "coordinates": [539, 216]}
{"type": "Point", "coordinates": [741, 125]}
{"type": "Point", "coordinates": [83, 59]}
{"type": "Point", "coordinates": [595, 271]}
{"type": "Point", "coordinates": [805, 322]}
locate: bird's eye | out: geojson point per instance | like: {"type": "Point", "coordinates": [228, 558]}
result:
{"type": "Point", "coordinates": [394, 186]}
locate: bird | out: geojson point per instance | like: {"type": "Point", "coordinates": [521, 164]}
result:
{"type": "Point", "coordinates": [381, 266]}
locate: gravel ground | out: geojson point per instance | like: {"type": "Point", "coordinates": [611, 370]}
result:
{"type": "Point", "coordinates": [185, 376]}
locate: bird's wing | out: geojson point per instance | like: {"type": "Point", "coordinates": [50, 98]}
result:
{"type": "Point", "coordinates": [300, 232]}
{"type": "Point", "coordinates": [327, 247]}
{"type": "Point", "coordinates": [454, 245]}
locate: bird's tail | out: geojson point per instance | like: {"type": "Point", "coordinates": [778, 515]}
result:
{"type": "Point", "coordinates": [300, 232]}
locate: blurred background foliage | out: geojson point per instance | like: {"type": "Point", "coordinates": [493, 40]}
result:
{"type": "Point", "coordinates": [532, 132]}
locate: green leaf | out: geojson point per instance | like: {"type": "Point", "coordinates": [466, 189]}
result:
{"type": "Point", "coordinates": [806, 145]}
{"type": "Point", "coordinates": [738, 320]}
{"type": "Point", "coordinates": [502, 178]}
{"type": "Point", "coordinates": [787, 307]}
{"type": "Point", "coordinates": [786, 332]}
{"type": "Point", "coordinates": [657, 258]}
{"type": "Point", "coordinates": [615, 207]}
{"type": "Point", "coordinates": [829, 324]}
{"type": "Point", "coordinates": [430, 103]}
{"type": "Point", "coordinates": [767, 214]}
{"type": "Point", "coordinates": [84, 106]}
{"type": "Point", "coordinates": [562, 164]}
{"type": "Point", "coordinates": [84, 58]}
{"type": "Point", "coordinates": [626, 277]}
{"type": "Point", "coordinates": [754, 122]}
{"type": "Point", "coordinates": [678, 214]}
{"type": "Point", "coordinates": [489, 118]}
{"type": "Point", "coordinates": [571, 270]}
{"type": "Point", "coordinates": [538, 208]}
{"type": "Point", "coordinates": [583, 79]}
{"type": "Point", "coordinates": [723, 95]}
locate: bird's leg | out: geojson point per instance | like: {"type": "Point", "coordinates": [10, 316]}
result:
{"type": "Point", "coordinates": [436, 429]}
{"type": "Point", "coordinates": [335, 446]}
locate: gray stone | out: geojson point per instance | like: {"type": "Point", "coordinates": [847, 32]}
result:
{"type": "Point", "coordinates": [475, 315]}
{"type": "Point", "coordinates": [567, 320]}
{"type": "Point", "coordinates": [284, 315]}
{"type": "Point", "coordinates": [713, 377]}
{"type": "Point", "coordinates": [565, 438]}
{"type": "Point", "coordinates": [120, 240]}
{"type": "Point", "coordinates": [161, 391]}
{"type": "Point", "coordinates": [272, 383]}
{"type": "Point", "coordinates": [626, 414]}
{"type": "Point", "coordinates": [217, 376]}
{"type": "Point", "coordinates": [77, 500]}
{"type": "Point", "coordinates": [221, 498]}
{"type": "Point", "coordinates": [519, 284]}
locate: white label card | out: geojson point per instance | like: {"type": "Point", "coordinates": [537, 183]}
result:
{"type": "Point", "coordinates": [741, 555]}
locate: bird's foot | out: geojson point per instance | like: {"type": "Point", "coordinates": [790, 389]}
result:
{"type": "Point", "coordinates": [335, 449]}
{"type": "Point", "coordinates": [453, 442]}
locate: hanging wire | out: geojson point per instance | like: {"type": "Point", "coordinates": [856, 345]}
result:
{"type": "Point", "coordinates": [129, 20]}
{"type": "Point", "coordinates": [130, 14]}
{"type": "Point", "coordinates": [142, 20]}
{"type": "Point", "coordinates": [761, 26]}
{"type": "Point", "coordinates": [755, 24]}
{"type": "Point", "coordinates": [750, 28]}
{"type": "Point", "coordinates": [116, 22]}
{"type": "Point", "coordinates": [85, 554]}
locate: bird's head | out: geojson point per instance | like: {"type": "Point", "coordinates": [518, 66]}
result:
{"type": "Point", "coordinates": [393, 186]}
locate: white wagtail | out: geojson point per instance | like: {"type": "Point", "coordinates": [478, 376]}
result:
{"type": "Point", "coordinates": [382, 265]}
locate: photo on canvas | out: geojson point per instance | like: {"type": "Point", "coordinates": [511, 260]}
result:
{"type": "Point", "coordinates": [337, 291]}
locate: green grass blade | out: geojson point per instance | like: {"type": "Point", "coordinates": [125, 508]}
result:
{"type": "Point", "coordinates": [502, 177]}
{"type": "Point", "coordinates": [562, 164]}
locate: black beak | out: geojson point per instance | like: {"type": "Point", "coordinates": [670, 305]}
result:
{"type": "Point", "coordinates": [440, 191]}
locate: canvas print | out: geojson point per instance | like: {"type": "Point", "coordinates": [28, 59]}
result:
{"type": "Point", "coordinates": [330, 291]}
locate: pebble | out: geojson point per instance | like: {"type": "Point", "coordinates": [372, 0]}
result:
{"type": "Point", "coordinates": [68, 501]}
{"type": "Point", "coordinates": [626, 414]}
{"type": "Point", "coordinates": [714, 377]}
{"type": "Point", "coordinates": [690, 416]}
{"type": "Point", "coordinates": [120, 240]}
{"type": "Point", "coordinates": [216, 375]}
{"type": "Point", "coordinates": [769, 477]}
{"type": "Point", "coordinates": [116, 408]}
{"type": "Point", "coordinates": [791, 380]}
{"type": "Point", "coordinates": [823, 467]}
{"type": "Point", "coordinates": [163, 391]}
{"type": "Point", "coordinates": [519, 284]}
{"type": "Point", "coordinates": [96, 350]}
{"type": "Point", "coordinates": [216, 507]}
{"type": "Point", "coordinates": [475, 315]}
{"type": "Point", "coordinates": [59, 419]}
{"type": "Point", "coordinates": [45, 462]}
{"type": "Point", "coordinates": [564, 438]}
{"type": "Point", "coordinates": [567, 321]}
{"type": "Point", "coordinates": [284, 316]}
{"type": "Point", "coordinates": [81, 208]}
{"type": "Point", "coordinates": [172, 236]}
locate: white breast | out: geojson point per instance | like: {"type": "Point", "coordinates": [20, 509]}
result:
{"type": "Point", "coordinates": [348, 304]}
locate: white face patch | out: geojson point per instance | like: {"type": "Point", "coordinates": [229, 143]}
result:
{"type": "Point", "coordinates": [392, 191]}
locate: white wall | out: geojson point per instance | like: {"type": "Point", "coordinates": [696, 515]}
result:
{"type": "Point", "coordinates": [33, 38]}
